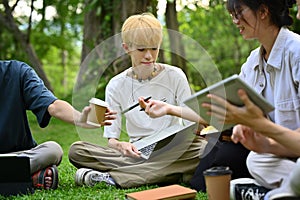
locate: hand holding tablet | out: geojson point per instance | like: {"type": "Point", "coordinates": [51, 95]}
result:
{"type": "Point", "coordinates": [227, 89]}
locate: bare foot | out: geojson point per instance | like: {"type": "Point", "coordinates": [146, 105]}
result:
{"type": "Point", "coordinates": [48, 176]}
{"type": "Point", "coordinates": [48, 179]}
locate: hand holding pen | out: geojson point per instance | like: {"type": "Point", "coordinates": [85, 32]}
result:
{"type": "Point", "coordinates": [164, 99]}
{"type": "Point", "coordinates": [135, 105]}
{"type": "Point", "coordinates": [155, 108]}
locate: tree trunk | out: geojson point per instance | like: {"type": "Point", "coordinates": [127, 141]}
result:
{"type": "Point", "coordinates": [8, 21]}
{"type": "Point", "coordinates": [177, 49]}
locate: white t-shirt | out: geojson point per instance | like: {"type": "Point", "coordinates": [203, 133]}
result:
{"type": "Point", "coordinates": [123, 91]}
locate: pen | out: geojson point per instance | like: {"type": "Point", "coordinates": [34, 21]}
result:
{"type": "Point", "coordinates": [135, 105]}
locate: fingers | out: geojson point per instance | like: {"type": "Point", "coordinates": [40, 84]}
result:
{"type": "Point", "coordinates": [217, 99]}
{"type": "Point", "coordinates": [142, 103]}
{"type": "Point", "coordinates": [131, 151]}
{"type": "Point", "coordinates": [146, 105]}
{"type": "Point", "coordinates": [218, 107]}
{"type": "Point", "coordinates": [137, 152]}
{"type": "Point", "coordinates": [106, 123]}
{"type": "Point", "coordinates": [86, 110]}
{"type": "Point", "coordinates": [150, 109]}
{"type": "Point", "coordinates": [110, 112]}
{"type": "Point", "coordinates": [244, 97]}
{"type": "Point", "coordinates": [237, 134]}
{"type": "Point", "coordinates": [217, 104]}
{"type": "Point", "coordinates": [84, 113]}
{"type": "Point", "coordinates": [110, 115]}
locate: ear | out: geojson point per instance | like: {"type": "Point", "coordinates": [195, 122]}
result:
{"type": "Point", "coordinates": [125, 47]}
{"type": "Point", "coordinates": [264, 11]}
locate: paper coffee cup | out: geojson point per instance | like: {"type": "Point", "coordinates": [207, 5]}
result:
{"type": "Point", "coordinates": [97, 113]}
{"type": "Point", "coordinates": [217, 180]}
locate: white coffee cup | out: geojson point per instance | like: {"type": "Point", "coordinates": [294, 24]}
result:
{"type": "Point", "coordinates": [97, 113]}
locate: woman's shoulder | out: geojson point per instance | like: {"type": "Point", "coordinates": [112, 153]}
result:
{"type": "Point", "coordinates": [287, 41]}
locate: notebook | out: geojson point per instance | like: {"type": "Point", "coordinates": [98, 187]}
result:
{"type": "Point", "coordinates": [227, 89]}
{"type": "Point", "coordinates": [171, 192]}
{"type": "Point", "coordinates": [155, 141]}
{"type": "Point", "coordinates": [15, 177]}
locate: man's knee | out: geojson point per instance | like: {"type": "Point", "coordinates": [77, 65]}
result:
{"type": "Point", "coordinates": [54, 151]}
{"type": "Point", "coordinates": [54, 147]}
{"type": "Point", "coordinates": [74, 149]}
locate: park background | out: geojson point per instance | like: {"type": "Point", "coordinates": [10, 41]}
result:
{"type": "Point", "coordinates": [55, 37]}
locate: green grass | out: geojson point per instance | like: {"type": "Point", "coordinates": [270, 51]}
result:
{"type": "Point", "coordinates": [65, 135]}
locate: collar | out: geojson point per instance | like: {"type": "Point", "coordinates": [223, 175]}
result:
{"type": "Point", "coordinates": [277, 52]}
{"type": "Point", "coordinates": [276, 55]}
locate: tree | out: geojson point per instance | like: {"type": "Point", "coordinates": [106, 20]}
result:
{"type": "Point", "coordinates": [176, 45]}
{"type": "Point", "coordinates": [212, 27]}
{"type": "Point", "coordinates": [104, 18]}
{"type": "Point", "coordinates": [7, 19]}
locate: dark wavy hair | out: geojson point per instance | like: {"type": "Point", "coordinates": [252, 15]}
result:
{"type": "Point", "coordinates": [279, 9]}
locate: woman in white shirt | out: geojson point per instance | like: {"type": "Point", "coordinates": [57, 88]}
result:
{"type": "Point", "coordinates": [273, 70]}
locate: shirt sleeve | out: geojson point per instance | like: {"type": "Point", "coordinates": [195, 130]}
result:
{"type": "Point", "coordinates": [36, 96]}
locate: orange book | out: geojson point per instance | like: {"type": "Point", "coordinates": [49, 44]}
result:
{"type": "Point", "coordinates": [171, 192]}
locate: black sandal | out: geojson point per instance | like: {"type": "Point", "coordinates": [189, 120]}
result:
{"type": "Point", "coordinates": [38, 178]}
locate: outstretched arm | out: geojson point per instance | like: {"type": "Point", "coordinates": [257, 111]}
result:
{"type": "Point", "coordinates": [155, 108]}
{"type": "Point", "coordinates": [64, 111]}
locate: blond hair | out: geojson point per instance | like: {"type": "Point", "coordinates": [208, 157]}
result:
{"type": "Point", "coordinates": [142, 30]}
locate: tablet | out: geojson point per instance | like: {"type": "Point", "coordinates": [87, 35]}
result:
{"type": "Point", "coordinates": [227, 89]}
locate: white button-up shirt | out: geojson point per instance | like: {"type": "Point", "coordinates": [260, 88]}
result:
{"type": "Point", "coordinates": [283, 67]}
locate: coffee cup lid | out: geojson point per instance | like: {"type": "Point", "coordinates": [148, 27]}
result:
{"type": "Point", "coordinates": [216, 171]}
{"type": "Point", "coordinates": [98, 102]}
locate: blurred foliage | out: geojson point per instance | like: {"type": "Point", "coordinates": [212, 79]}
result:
{"type": "Point", "coordinates": [58, 42]}
{"type": "Point", "coordinates": [212, 27]}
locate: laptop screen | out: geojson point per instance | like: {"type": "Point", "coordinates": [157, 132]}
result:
{"type": "Point", "coordinates": [15, 177]}
{"type": "Point", "coordinates": [14, 169]}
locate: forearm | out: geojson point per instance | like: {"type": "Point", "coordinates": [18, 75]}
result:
{"type": "Point", "coordinates": [287, 142]}
{"type": "Point", "coordinates": [64, 111]}
{"type": "Point", "coordinates": [281, 150]}
{"type": "Point", "coordinates": [185, 113]}
{"type": "Point", "coordinates": [113, 143]}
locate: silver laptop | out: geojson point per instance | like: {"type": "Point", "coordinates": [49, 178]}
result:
{"type": "Point", "coordinates": [156, 141]}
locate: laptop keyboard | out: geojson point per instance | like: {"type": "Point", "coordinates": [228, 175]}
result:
{"type": "Point", "coordinates": [147, 150]}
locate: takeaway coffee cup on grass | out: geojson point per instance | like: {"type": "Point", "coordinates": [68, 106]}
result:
{"type": "Point", "coordinates": [217, 180]}
{"type": "Point", "coordinates": [97, 113]}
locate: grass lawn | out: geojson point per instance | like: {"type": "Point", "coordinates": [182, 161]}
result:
{"type": "Point", "coordinates": [65, 135]}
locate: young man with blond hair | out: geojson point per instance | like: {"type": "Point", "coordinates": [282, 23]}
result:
{"type": "Point", "coordinates": [120, 163]}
